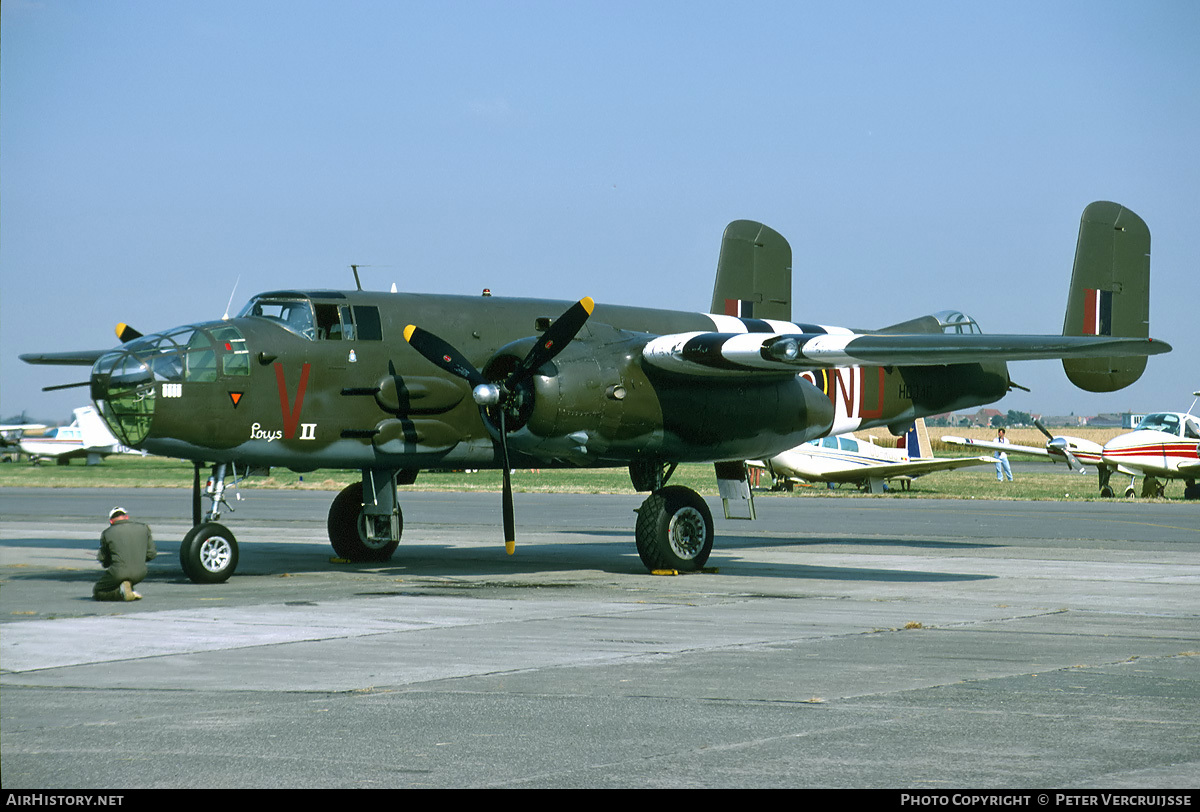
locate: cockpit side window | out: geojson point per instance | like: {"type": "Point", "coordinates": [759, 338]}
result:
{"type": "Point", "coordinates": [320, 321]}
{"type": "Point", "coordinates": [329, 326]}
{"type": "Point", "coordinates": [235, 358]}
{"type": "Point", "coordinates": [201, 359]}
{"type": "Point", "coordinates": [1162, 421]}
{"type": "Point", "coordinates": [294, 314]}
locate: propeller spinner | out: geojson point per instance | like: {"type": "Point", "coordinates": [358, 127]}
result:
{"type": "Point", "coordinates": [1061, 445]}
{"type": "Point", "coordinates": [501, 394]}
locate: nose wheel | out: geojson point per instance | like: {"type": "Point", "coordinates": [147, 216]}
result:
{"type": "Point", "coordinates": [209, 553]}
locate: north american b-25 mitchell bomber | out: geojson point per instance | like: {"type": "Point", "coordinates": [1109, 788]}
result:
{"type": "Point", "coordinates": [395, 383]}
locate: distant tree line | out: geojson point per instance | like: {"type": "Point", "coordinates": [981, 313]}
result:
{"type": "Point", "coordinates": [1013, 418]}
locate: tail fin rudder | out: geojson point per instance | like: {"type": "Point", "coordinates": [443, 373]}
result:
{"type": "Point", "coordinates": [754, 273]}
{"type": "Point", "coordinates": [916, 441]}
{"type": "Point", "coordinates": [924, 447]}
{"type": "Point", "coordinates": [94, 432]}
{"type": "Point", "coordinates": [1110, 293]}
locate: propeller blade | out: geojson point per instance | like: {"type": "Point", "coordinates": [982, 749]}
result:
{"type": "Point", "coordinates": [558, 335]}
{"type": "Point", "coordinates": [510, 521]}
{"type": "Point", "coordinates": [1042, 429]}
{"type": "Point", "coordinates": [196, 517]}
{"type": "Point", "coordinates": [1061, 445]}
{"type": "Point", "coordinates": [441, 354]}
{"type": "Point", "coordinates": [126, 333]}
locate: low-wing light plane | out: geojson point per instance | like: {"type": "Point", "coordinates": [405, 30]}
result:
{"type": "Point", "coordinates": [1076, 452]}
{"type": "Point", "coordinates": [11, 433]}
{"type": "Point", "coordinates": [1164, 445]}
{"type": "Point", "coordinates": [87, 437]}
{"type": "Point", "coordinates": [845, 458]}
{"type": "Point", "coordinates": [394, 383]}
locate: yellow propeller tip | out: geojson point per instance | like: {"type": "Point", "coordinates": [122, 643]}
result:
{"type": "Point", "coordinates": [408, 331]}
{"type": "Point", "coordinates": [589, 304]}
{"type": "Point", "coordinates": [510, 547]}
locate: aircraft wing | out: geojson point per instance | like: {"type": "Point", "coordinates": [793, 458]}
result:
{"type": "Point", "coordinates": [742, 353]}
{"type": "Point", "coordinates": [1017, 449]}
{"type": "Point", "coordinates": [912, 468]}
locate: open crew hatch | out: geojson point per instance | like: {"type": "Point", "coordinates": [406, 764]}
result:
{"type": "Point", "coordinates": [127, 380]}
{"type": "Point", "coordinates": [309, 317]}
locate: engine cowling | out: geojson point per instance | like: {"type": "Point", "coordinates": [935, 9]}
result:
{"type": "Point", "coordinates": [597, 403]}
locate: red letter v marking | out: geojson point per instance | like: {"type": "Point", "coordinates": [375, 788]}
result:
{"type": "Point", "coordinates": [291, 414]}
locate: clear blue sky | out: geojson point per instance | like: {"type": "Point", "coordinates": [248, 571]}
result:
{"type": "Point", "coordinates": [918, 156]}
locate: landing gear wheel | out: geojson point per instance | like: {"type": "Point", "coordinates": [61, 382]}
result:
{"type": "Point", "coordinates": [1129, 492]}
{"type": "Point", "coordinates": [1106, 492]}
{"type": "Point", "coordinates": [209, 553]}
{"type": "Point", "coordinates": [1191, 491]}
{"type": "Point", "coordinates": [347, 529]}
{"type": "Point", "coordinates": [674, 530]}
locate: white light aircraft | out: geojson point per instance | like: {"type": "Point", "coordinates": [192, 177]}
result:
{"type": "Point", "coordinates": [1075, 451]}
{"type": "Point", "coordinates": [845, 458]}
{"type": "Point", "coordinates": [86, 437]}
{"type": "Point", "coordinates": [1165, 445]}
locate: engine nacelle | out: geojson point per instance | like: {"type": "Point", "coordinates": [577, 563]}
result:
{"type": "Point", "coordinates": [597, 403]}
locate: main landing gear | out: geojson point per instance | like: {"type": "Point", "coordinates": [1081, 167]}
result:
{"type": "Point", "coordinates": [674, 525]}
{"type": "Point", "coordinates": [365, 521]}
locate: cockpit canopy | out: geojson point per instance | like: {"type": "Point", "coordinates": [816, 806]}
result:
{"type": "Point", "coordinates": [1181, 425]}
{"type": "Point", "coordinates": [307, 316]}
{"type": "Point", "coordinates": [956, 322]}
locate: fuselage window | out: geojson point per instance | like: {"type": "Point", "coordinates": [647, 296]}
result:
{"type": "Point", "coordinates": [367, 323]}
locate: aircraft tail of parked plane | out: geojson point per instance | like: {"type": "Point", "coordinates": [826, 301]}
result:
{"type": "Point", "coordinates": [1109, 294]}
{"type": "Point", "coordinates": [87, 437]}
